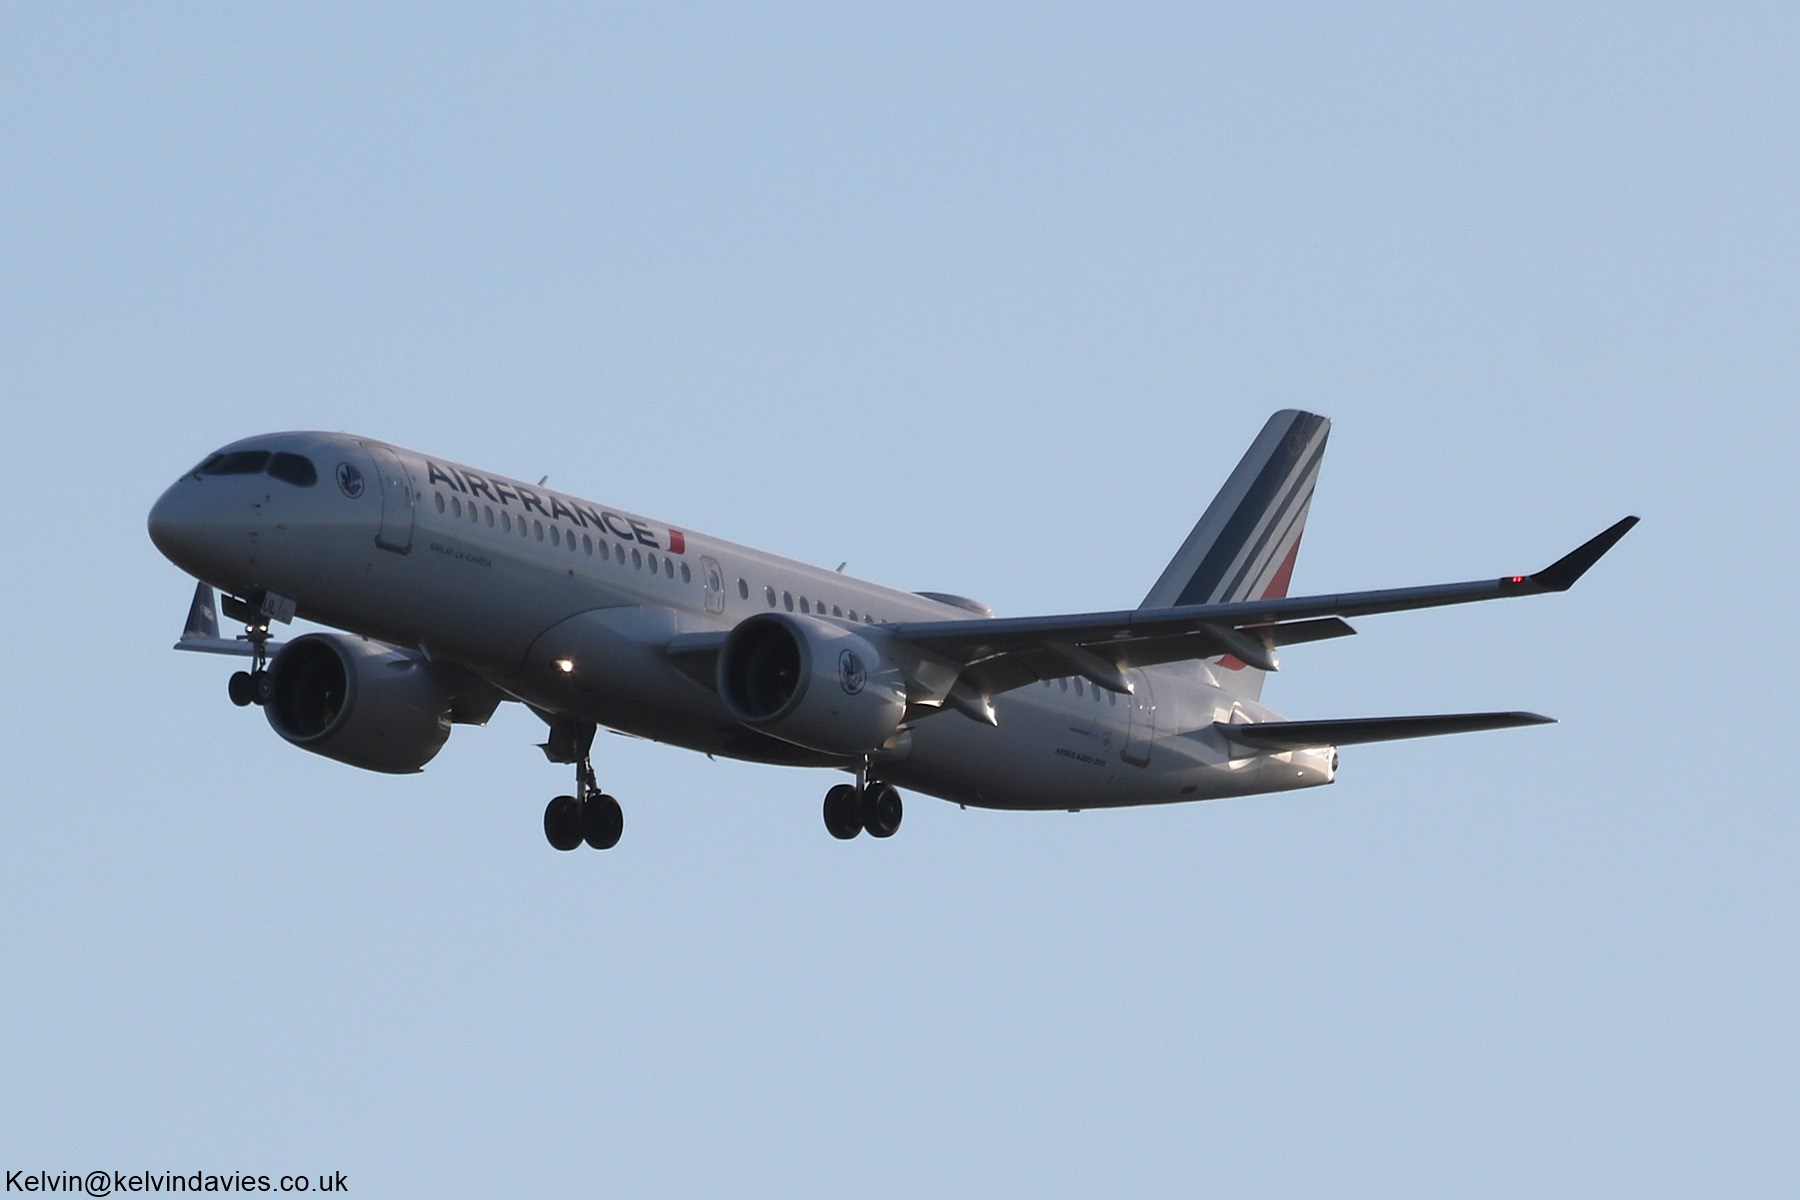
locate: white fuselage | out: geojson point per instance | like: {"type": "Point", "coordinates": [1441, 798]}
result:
{"type": "Point", "coordinates": [571, 606]}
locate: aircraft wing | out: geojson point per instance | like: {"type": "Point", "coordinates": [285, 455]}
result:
{"type": "Point", "coordinates": [1301, 735]}
{"type": "Point", "coordinates": [999, 654]}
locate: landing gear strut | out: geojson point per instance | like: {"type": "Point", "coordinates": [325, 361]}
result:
{"type": "Point", "coordinates": [590, 815]}
{"type": "Point", "coordinates": [875, 807]}
{"type": "Point", "coordinates": [252, 686]}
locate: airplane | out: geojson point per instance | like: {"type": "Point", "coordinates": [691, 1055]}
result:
{"type": "Point", "coordinates": [456, 589]}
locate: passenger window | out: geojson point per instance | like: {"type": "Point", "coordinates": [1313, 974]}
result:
{"type": "Point", "coordinates": [803, 605]}
{"type": "Point", "coordinates": [488, 512]}
{"type": "Point", "coordinates": [555, 536]}
{"type": "Point", "coordinates": [474, 512]}
{"type": "Point", "coordinates": [587, 544]}
{"type": "Point", "coordinates": [687, 576]}
{"type": "Point", "coordinates": [1078, 687]}
{"type": "Point", "coordinates": [292, 468]}
{"type": "Point", "coordinates": [1063, 684]}
{"type": "Point", "coordinates": [651, 559]}
{"type": "Point", "coordinates": [836, 611]}
{"type": "Point", "coordinates": [456, 508]}
{"type": "Point", "coordinates": [619, 553]}
{"type": "Point", "coordinates": [637, 559]}
{"type": "Point", "coordinates": [770, 592]}
{"type": "Point", "coordinates": [853, 614]}
{"type": "Point", "coordinates": [505, 521]}
{"type": "Point", "coordinates": [743, 589]}
{"type": "Point", "coordinates": [537, 528]}
{"type": "Point", "coordinates": [787, 601]}
{"type": "Point", "coordinates": [439, 497]}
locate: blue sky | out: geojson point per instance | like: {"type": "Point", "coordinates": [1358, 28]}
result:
{"type": "Point", "coordinates": [986, 302]}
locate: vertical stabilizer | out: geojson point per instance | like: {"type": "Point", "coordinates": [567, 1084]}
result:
{"type": "Point", "coordinates": [1245, 545]}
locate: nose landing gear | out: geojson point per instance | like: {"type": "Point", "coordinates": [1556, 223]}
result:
{"type": "Point", "coordinates": [245, 686]}
{"type": "Point", "coordinates": [253, 686]}
{"type": "Point", "coordinates": [590, 815]}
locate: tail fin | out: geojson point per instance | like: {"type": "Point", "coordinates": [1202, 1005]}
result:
{"type": "Point", "coordinates": [1245, 545]}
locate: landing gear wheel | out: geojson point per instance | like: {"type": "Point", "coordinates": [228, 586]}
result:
{"type": "Point", "coordinates": [562, 822]}
{"type": "Point", "coordinates": [881, 810]}
{"type": "Point", "coordinates": [262, 687]}
{"type": "Point", "coordinates": [602, 822]}
{"type": "Point", "coordinates": [242, 689]}
{"type": "Point", "coordinates": [843, 816]}
{"type": "Point", "coordinates": [590, 815]}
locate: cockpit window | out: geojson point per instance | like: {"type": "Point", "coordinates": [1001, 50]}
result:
{"type": "Point", "coordinates": [293, 468]}
{"type": "Point", "coordinates": [296, 469]}
{"type": "Point", "coordinates": [237, 462]}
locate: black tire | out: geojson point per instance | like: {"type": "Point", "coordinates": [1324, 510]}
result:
{"type": "Point", "coordinates": [843, 816]}
{"type": "Point", "coordinates": [242, 689]}
{"type": "Point", "coordinates": [263, 687]}
{"type": "Point", "coordinates": [562, 823]}
{"type": "Point", "coordinates": [602, 822]}
{"type": "Point", "coordinates": [881, 810]}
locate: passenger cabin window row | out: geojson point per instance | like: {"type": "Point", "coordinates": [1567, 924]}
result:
{"type": "Point", "coordinates": [296, 469]}
{"type": "Point", "coordinates": [477, 514]}
{"type": "Point", "coordinates": [806, 606]}
{"type": "Point", "coordinates": [1100, 694]}
{"type": "Point", "coordinates": [665, 565]}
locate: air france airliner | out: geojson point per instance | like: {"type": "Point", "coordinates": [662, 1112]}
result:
{"type": "Point", "coordinates": [456, 589]}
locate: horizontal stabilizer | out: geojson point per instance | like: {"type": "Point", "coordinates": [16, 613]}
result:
{"type": "Point", "coordinates": [1300, 735]}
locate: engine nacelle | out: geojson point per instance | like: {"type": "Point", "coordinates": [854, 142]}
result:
{"type": "Point", "coordinates": [813, 683]}
{"type": "Point", "coordinates": [362, 703]}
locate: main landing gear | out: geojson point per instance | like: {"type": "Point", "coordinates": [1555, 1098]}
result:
{"type": "Point", "coordinates": [875, 807]}
{"type": "Point", "coordinates": [590, 815]}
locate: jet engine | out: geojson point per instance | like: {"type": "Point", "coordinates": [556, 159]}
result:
{"type": "Point", "coordinates": [812, 683]}
{"type": "Point", "coordinates": [359, 702]}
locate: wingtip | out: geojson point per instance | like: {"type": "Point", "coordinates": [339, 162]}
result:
{"type": "Point", "coordinates": [1561, 575]}
{"type": "Point", "coordinates": [203, 614]}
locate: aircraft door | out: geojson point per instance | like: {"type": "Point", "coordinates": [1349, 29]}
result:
{"type": "Point", "coordinates": [1141, 704]}
{"type": "Point", "coordinates": [396, 501]}
{"type": "Point", "coordinates": [713, 582]}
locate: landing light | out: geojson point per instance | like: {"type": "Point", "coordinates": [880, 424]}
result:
{"type": "Point", "coordinates": [565, 665]}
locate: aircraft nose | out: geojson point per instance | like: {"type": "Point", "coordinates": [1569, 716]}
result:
{"type": "Point", "coordinates": [166, 524]}
{"type": "Point", "coordinates": [179, 526]}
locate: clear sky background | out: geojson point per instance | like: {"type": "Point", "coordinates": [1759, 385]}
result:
{"type": "Point", "coordinates": [985, 301]}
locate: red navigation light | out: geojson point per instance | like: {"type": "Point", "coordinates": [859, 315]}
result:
{"type": "Point", "coordinates": [1518, 579]}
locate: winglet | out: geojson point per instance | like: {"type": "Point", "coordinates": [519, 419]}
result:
{"type": "Point", "coordinates": [1561, 575]}
{"type": "Point", "coordinates": [203, 614]}
{"type": "Point", "coordinates": [201, 632]}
